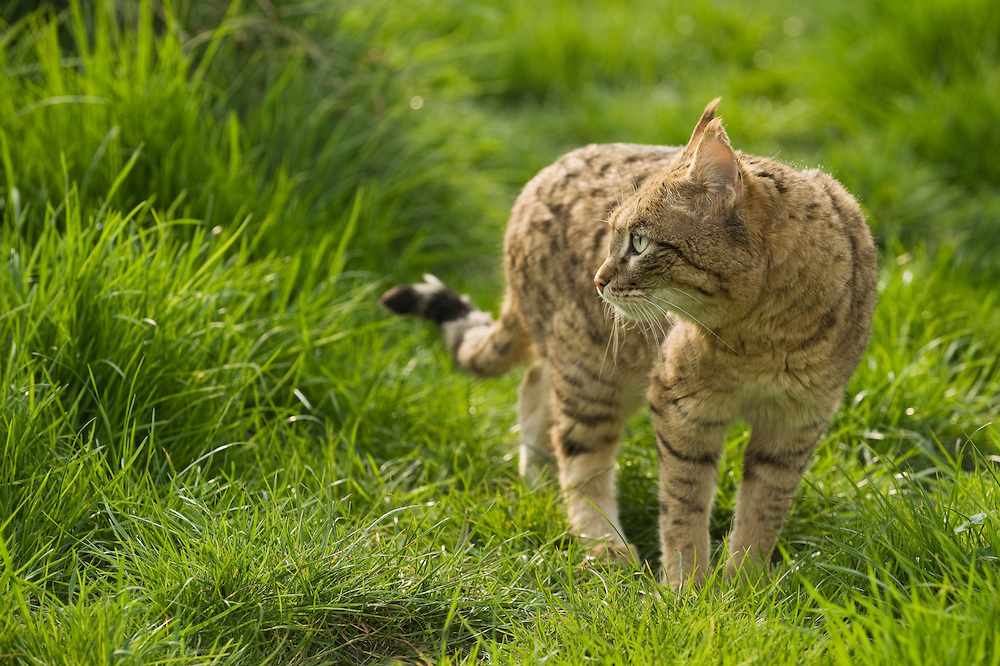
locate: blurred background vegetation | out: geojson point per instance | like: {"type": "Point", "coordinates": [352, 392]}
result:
{"type": "Point", "coordinates": [446, 108]}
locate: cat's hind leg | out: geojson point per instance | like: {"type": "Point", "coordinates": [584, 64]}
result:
{"type": "Point", "coordinates": [535, 422]}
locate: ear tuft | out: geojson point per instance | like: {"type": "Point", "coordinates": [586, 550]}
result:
{"type": "Point", "coordinates": [714, 127]}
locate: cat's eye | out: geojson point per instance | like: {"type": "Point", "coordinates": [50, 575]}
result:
{"type": "Point", "coordinates": [639, 242]}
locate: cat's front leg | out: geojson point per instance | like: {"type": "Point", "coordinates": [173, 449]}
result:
{"type": "Point", "coordinates": [587, 419]}
{"type": "Point", "coordinates": [773, 465]}
{"type": "Point", "coordinates": [689, 440]}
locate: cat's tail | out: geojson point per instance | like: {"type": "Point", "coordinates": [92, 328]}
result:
{"type": "Point", "coordinates": [478, 344]}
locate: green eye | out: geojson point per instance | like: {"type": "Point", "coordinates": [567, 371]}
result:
{"type": "Point", "coordinates": [639, 242]}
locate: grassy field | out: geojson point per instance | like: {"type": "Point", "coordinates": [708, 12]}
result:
{"type": "Point", "coordinates": [216, 448]}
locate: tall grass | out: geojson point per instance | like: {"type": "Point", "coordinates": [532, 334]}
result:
{"type": "Point", "coordinates": [217, 450]}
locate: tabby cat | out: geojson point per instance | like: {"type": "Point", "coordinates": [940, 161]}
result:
{"type": "Point", "coordinates": [730, 287]}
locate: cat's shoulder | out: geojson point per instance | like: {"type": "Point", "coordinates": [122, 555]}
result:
{"type": "Point", "coordinates": [797, 186]}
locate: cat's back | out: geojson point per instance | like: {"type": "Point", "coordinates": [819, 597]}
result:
{"type": "Point", "coordinates": [557, 235]}
{"type": "Point", "coordinates": [583, 187]}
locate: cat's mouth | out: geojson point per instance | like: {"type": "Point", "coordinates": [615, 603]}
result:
{"type": "Point", "coordinates": [644, 308]}
{"type": "Point", "coordinates": [624, 306]}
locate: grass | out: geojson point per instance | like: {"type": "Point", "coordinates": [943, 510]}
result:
{"type": "Point", "coordinates": [217, 449]}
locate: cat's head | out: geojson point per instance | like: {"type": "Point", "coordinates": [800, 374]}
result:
{"type": "Point", "coordinates": [680, 243]}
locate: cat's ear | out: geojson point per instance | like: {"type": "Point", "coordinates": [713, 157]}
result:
{"type": "Point", "coordinates": [706, 117]}
{"type": "Point", "coordinates": [699, 130]}
{"type": "Point", "coordinates": [715, 164]}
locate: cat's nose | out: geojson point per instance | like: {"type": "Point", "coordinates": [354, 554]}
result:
{"type": "Point", "coordinates": [601, 282]}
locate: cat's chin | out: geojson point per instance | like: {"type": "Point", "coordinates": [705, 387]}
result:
{"type": "Point", "coordinates": [628, 314]}
{"type": "Point", "coordinates": [640, 313]}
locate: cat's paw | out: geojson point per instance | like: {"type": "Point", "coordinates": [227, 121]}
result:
{"type": "Point", "coordinates": [613, 553]}
{"type": "Point", "coordinates": [750, 573]}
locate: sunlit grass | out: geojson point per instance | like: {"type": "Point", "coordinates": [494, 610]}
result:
{"type": "Point", "coordinates": [217, 449]}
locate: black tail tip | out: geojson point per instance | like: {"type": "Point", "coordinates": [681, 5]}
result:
{"type": "Point", "coordinates": [430, 300]}
{"type": "Point", "coordinates": [401, 299]}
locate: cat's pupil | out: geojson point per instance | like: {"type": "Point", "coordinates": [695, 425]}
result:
{"type": "Point", "coordinates": [639, 242]}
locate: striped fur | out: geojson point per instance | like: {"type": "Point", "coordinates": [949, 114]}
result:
{"type": "Point", "coordinates": [730, 288]}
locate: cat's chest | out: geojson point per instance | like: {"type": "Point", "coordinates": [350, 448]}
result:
{"type": "Point", "coordinates": [782, 396]}
{"type": "Point", "coordinates": [741, 385]}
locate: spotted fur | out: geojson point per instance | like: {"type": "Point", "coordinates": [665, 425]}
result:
{"type": "Point", "coordinates": [751, 300]}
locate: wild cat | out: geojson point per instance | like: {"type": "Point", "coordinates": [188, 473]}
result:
{"type": "Point", "coordinates": [740, 289]}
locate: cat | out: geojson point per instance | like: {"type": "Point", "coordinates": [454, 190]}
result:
{"type": "Point", "coordinates": [729, 288]}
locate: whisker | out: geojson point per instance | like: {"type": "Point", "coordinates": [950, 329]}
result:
{"type": "Point", "coordinates": [696, 320]}
{"type": "Point", "coordinates": [619, 327]}
{"type": "Point", "coordinates": [647, 307]}
{"type": "Point", "coordinates": [612, 312]}
{"type": "Point", "coordinates": [664, 314]}
{"type": "Point", "coordinates": [681, 291]}
{"type": "Point", "coordinates": [648, 316]}
{"type": "Point", "coordinates": [644, 326]}
{"type": "Point", "coordinates": [687, 344]}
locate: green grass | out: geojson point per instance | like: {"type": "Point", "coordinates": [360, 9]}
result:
{"type": "Point", "coordinates": [217, 449]}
